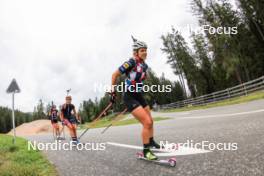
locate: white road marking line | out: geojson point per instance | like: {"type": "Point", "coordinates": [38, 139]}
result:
{"type": "Point", "coordinates": [223, 115]}
{"type": "Point", "coordinates": [180, 151]}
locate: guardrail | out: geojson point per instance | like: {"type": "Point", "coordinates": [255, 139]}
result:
{"type": "Point", "coordinates": [236, 91]}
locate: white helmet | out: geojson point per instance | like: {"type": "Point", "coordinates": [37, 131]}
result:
{"type": "Point", "coordinates": [138, 44]}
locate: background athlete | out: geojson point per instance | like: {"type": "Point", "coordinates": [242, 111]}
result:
{"type": "Point", "coordinates": [68, 117]}
{"type": "Point", "coordinates": [54, 118]}
{"type": "Point", "coordinates": [135, 69]}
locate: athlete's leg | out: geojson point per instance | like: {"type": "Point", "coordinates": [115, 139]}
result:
{"type": "Point", "coordinates": [53, 129]}
{"type": "Point", "coordinates": [74, 130]}
{"type": "Point", "coordinates": [152, 142]}
{"type": "Point", "coordinates": [147, 109]}
{"type": "Point", "coordinates": [70, 127]}
{"type": "Point", "coordinates": [57, 129]}
{"type": "Point", "coordinates": [143, 117]}
{"type": "Point", "coordinates": [74, 137]}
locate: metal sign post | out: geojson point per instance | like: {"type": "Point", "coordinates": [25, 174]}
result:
{"type": "Point", "coordinates": [13, 88]}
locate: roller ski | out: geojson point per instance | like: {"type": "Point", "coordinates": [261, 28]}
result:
{"type": "Point", "coordinates": [149, 156]}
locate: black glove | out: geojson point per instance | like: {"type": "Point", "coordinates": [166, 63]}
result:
{"type": "Point", "coordinates": [113, 97]}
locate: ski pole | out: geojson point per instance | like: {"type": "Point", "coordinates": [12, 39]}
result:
{"type": "Point", "coordinates": [117, 118]}
{"type": "Point", "coordinates": [96, 119]}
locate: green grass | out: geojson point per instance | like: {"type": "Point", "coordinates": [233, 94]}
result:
{"type": "Point", "coordinates": [17, 160]}
{"type": "Point", "coordinates": [250, 97]}
{"type": "Point", "coordinates": [108, 120]}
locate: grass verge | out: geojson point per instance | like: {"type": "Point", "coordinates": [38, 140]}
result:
{"type": "Point", "coordinates": [17, 160]}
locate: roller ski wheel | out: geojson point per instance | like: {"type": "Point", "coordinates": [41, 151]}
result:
{"type": "Point", "coordinates": [167, 162]}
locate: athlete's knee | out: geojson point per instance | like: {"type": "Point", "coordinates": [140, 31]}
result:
{"type": "Point", "coordinates": [148, 124]}
{"type": "Point", "coordinates": [74, 128]}
{"type": "Point", "coordinates": [70, 127]}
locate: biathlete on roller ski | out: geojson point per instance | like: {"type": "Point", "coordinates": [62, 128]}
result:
{"type": "Point", "coordinates": [69, 118]}
{"type": "Point", "coordinates": [54, 118]}
{"type": "Point", "coordinates": [135, 70]}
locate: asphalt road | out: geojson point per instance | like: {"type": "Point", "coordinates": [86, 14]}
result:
{"type": "Point", "coordinates": [242, 124]}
